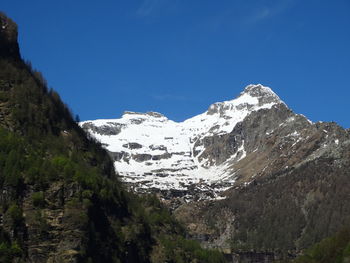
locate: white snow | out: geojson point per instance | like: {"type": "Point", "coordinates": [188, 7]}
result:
{"type": "Point", "coordinates": [309, 121]}
{"type": "Point", "coordinates": [179, 140]}
{"type": "Point", "coordinates": [295, 134]}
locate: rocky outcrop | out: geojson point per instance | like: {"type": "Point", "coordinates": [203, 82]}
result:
{"type": "Point", "coordinates": [8, 38]}
{"type": "Point", "coordinates": [112, 129]}
{"type": "Point", "coordinates": [53, 235]}
{"type": "Point", "coordinates": [132, 145]}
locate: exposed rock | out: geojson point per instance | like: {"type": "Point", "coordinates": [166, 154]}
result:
{"type": "Point", "coordinates": [158, 147]}
{"type": "Point", "coordinates": [161, 156]}
{"type": "Point", "coordinates": [141, 157]}
{"type": "Point", "coordinates": [110, 129]}
{"type": "Point", "coordinates": [132, 145]}
{"type": "Point", "coordinates": [53, 237]}
{"type": "Point", "coordinates": [118, 156]}
{"type": "Point", "coordinates": [8, 38]}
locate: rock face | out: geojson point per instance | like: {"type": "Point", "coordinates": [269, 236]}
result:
{"type": "Point", "coordinates": [246, 174]}
{"type": "Point", "coordinates": [195, 156]}
{"type": "Point", "coordinates": [290, 189]}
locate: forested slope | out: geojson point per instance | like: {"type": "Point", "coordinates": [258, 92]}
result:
{"type": "Point", "coordinates": [60, 199]}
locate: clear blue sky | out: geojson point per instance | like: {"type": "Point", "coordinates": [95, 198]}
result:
{"type": "Point", "coordinates": [179, 56]}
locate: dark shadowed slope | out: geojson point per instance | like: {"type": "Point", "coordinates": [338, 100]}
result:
{"type": "Point", "coordinates": [60, 200]}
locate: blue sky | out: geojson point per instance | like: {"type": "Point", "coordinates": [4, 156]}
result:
{"type": "Point", "coordinates": [179, 56]}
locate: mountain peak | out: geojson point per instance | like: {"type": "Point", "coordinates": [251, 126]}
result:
{"type": "Point", "coordinates": [253, 97]}
{"type": "Point", "coordinates": [262, 93]}
{"type": "Point", "coordinates": [258, 90]}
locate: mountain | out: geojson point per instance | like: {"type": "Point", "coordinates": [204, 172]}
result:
{"type": "Point", "coordinates": [231, 143]}
{"type": "Point", "coordinates": [248, 176]}
{"type": "Point", "coordinates": [153, 152]}
{"type": "Point", "coordinates": [60, 199]}
{"type": "Point", "coordinates": [248, 173]}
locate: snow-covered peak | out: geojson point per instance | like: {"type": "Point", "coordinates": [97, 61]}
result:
{"type": "Point", "coordinates": [262, 93]}
{"type": "Point", "coordinates": [222, 117]}
{"type": "Point", "coordinates": [152, 150]}
{"type": "Point", "coordinates": [253, 97]}
{"type": "Point", "coordinates": [258, 90]}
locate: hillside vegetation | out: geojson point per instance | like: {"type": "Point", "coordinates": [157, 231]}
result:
{"type": "Point", "coordinates": [335, 249]}
{"type": "Point", "coordinates": [60, 199]}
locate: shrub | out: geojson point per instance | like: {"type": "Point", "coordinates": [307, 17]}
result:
{"type": "Point", "coordinates": [38, 199]}
{"type": "Point", "coordinates": [16, 214]}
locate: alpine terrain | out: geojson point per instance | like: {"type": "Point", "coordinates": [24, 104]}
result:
{"type": "Point", "coordinates": [153, 152]}
{"type": "Point", "coordinates": [248, 173]}
{"type": "Point", "coordinates": [248, 177]}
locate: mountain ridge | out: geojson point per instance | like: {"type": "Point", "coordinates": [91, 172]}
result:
{"type": "Point", "coordinates": [154, 136]}
{"type": "Point", "coordinates": [256, 90]}
{"type": "Point", "coordinates": [266, 179]}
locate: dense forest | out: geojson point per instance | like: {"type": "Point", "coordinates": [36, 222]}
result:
{"type": "Point", "coordinates": [60, 198]}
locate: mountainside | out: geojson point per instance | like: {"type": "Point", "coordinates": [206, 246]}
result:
{"type": "Point", "coordinates": [247, 173]}
{"type": "Point", "coordinates": [230, 144]}
{"type": "Point", "coordinates": [151, 151]}
{"type": "Point", "coordinates": [60, 199]}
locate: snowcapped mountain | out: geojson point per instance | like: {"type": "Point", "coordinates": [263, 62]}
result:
{"type": "Point", "coordinates": [152, 151]}
{"type": "Point", "coordinates": [238, 170]}
{"type": "Point", "coordinates": [228, 145]}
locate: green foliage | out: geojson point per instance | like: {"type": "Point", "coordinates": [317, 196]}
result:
{"type": "Point", "coordinates": [8, 251]}
{"type": "Point", "coordinates": [301, 208]}
{"type": "Point", "coordinates": [178, 250]}
{"type": "Point", "coordinates": [334, 249]}
{"type": "Point", "coordinates": [11, 164]}
{"type": "Point", "coordinates": [44, 151]}
{"type": "Point", "coordinates": [16, 214]}
{"type": "Point", "coordinates": [172, 246]}
{"type": "Point", "coordinates": [41, 224]}
{"type": "Point", "coordinates": [38, 199]}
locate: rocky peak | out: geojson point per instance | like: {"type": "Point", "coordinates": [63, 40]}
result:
{"type": "Point", "coordinates": [254, 97]}
{"type": "Point", "coordinates": [264, 94]}
{"type": "Point", "coordinates": [258, 90]}
{"type": "Point", "coordinates": [8, 37]}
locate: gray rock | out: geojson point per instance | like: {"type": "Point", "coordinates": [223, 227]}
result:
{"type": "Point", "coordinates": [111, 129]}
{"type": "Point", "coordinates": [132, 145]}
